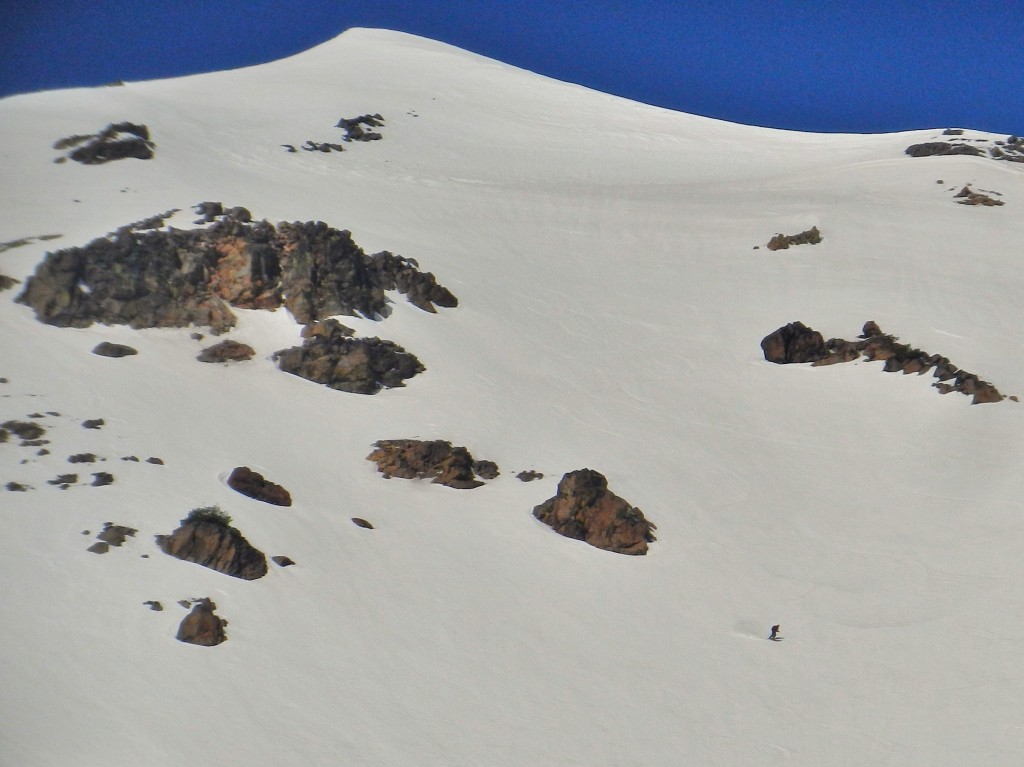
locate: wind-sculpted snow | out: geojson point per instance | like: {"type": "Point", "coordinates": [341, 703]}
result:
{"type": "Point", "coordinates": [176, 278]}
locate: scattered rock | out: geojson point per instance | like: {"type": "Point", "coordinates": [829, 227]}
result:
{"type": "Point", "coordinates": [108, 349]}
{"type": "Point", "coordinates": [793, 343]}
{"type": "Point", "coordinates": [133, 458]}
{"type": "Point", "coordinates": [252, 484]}
{"type": "Point", "coordinates": [529, 475]}
{"type": "Point", "coordinates": [227, 351]}
{"type": "Point", "coordinates": [28, 432]}
{"type": "Point", "coordinates": [968, 196]}
{"type": "Point", "coordinates": [217, 546]}
{"type": "Point", "coordinates": [325, 147]}
{"type": "Point", "coordinates": [155, 461]}
{"type": "Point", "coordinates": [115, 142]}
{"type": "Point", "coordinates": [282, 561]}
{"type": "Point", "coordinates": [16, 487]}
{"type": "Point", "coordinates": [102, 478]}
{"type": "Point", "coordinates": [782, 241]}
{"type": "Point", "coordinates": [360, 522]}
{"type": "Point", "coordinates": [354, 130]}
{"type": "Point", "coordinates": [99, 548]}
{"type": "Point", "coordinates": [6, 283]}
{"type": "Point", "coordinates": [115, 535]}
{"type": "Point", "coordinates": [938, 148]}
{"type": "Point", "coordinates": [586, 510]}
{"type": "Point", "coordinates": [330, 356]}
{"type": "Point", "coordinates": [874, 345]}
{"type": "Point", "coordinates": [153, 605]}
{"type": "Point", "coordinates": [64, 481]}
{"type": "Point", "coordinates": [82, 458]}
{"type": "Point", "coordinates": [434, 459]}
{"type": "Point", "coordinates": [93, 423]}
{"type": "Point", "coordinates": [203, 626]}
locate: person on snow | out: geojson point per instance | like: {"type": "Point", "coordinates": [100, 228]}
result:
{"type": "Point", "coordinates": [775, 632]}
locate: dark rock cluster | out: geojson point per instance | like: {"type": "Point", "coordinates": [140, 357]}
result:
{"type": "Point", "coordinates": [177, 278]}
{"type": "Point", "coordinates": [215, 545]}
{"type": "Point", "coordinates": [1010, 150]}
{"type": "Point", "coordinates": [354, 130]}
{"type": "Point", "coordinates": [436, 460]}
{"type": "Point", "coordinates": [329, 355]}
{"type": "Point", "coordinates": [782, 241]}
{"type": "Point", "coordinates": [111, 535]}
{"type": "Point", "coordinates": [115, 142]}
{"type": "Point", "coordinates": [796, 343]}
{"type": "Point", "coordinates": [252, 484]}
{"type": "Point", "coordinates": [585, 509]}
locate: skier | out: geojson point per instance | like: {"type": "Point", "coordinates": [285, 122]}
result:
{"type": "Point", "coordinates": [775, 633]}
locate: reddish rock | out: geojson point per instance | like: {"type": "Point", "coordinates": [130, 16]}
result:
{"type": "Point", "coordinates": [252, 484]}
{"type": "Point", "coordinates": [203, 626]}
{"type": "Point", "coordinates": [435, 459]}
{"type": "Point", "coordinates": [226, 351]}
{"type": "Point", "coordinates": [585, 509]}
{"type": "Point", "coordinates": [793, 343]}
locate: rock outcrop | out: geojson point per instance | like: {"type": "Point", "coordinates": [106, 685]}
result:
{"type": "Point", "coordinates": [783, 241]}
{"type": "Point", "coordinates": [354, 130]}
{"type": "Point", "coordinates": [115, 142]}
{"type": "Point", "coordinates": [108, 349]}
{"type": "Point", "coordinates": [793, 343]}
{"type": "Point", "coordinates": [217, 546]}
{"type": "Point", "coordinates": [436, 460]}
{"type": "Point", "coordinates": [226, 351]}
{"type": "Point", "coordinates": [586, 510]}
{"type": "Point", "coordinates": [874, 345]}
{"type": "Point", "coordinates": [252, 484]}
{"type": "Point", "coordinates": [203, 626]}
{"type": "Point", "coordinates": [175, 278]}
{"type": "Point", "coordinates": [330, 356]}
{"type": "Point", "coordinates": [967, 196]}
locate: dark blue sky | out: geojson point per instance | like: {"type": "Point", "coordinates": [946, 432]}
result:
{"type": "Point", "coordinates": [866, 66]}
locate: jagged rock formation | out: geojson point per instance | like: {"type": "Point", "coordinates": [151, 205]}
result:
{"type": "Point", "coordinates": [115, 142]}
{"type": "Point", "coordinates": [108, 349]}
{"type": "Point", "coordinates": [252, 484]}
{"type": "Point", "coordinates": [217, 546]}
{"type": "Point", "coordinates": [968, 196]}
{"type": "Point", "coordinates": [226, 351]}
{"type": "Point", "coordinates": [782, 241]}
{"type": "Point", "coordinates": [111, 535]}
{"type": "Point", "coordinates": [203, 626]}
{"type": "Point", "coordinates": [874, 345]}
{"type": "Point", "coordinates": [330, 356]}
{"type": "Point", "coordinates": [586, 510]}
{"type": "Point", "coordinates": [176, 278]}
{"type": "Point", "coordinates": [791, 343]}
{"type": "Point", "coordinates": [436, 459]}
{"type": "Point", "coordinates": [1010, 150]}
{"type": "Point", "coordinates": [354, 130]}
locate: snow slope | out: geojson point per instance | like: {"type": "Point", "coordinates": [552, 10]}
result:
{"type": "Point", "coordinates": [611, 309]}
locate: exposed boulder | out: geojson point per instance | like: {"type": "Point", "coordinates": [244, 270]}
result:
{"type": "Point", "coordinates": [967, 196]}
{"type": "Point", "coordinates": [203, 626]}
{"type": "Point", "coordinates": [252, 484]}
{"type": "Point", "coordinates": [360, 522]}
{"type": "Point", "coordinates": [938, 148]}
{"type": "Point", "coordinates": [176, 278]}
{"type": "Point", "coordinates": [586, 510]}
{"type": "Point", "coordinates": [330, 356]}
{"type": "Point", "coordinates": [108, 349]}
{"type": "Point", "coordinates": [354, 130]}
{"type": "Point", "coordinates": [782, 241]}
{"type": "Point", "coordinates": [216, 545]}
{"type": "Point", "coordinates": [102, 478]}
{"type": "Point", "coordinates": [529, 475]}
{"type": "Point", "coordinates": [227, 351]}
{"type": "Point", "coordinates": [27, 431]}
{"type": "Point", "coordinates": [7, 282]}
{"type": "Point", "coordinates": [115, 535]}
{"type": "Point", "coordinates": [436, 459]}
{"type": "Point", "coordinates": [115, 142]}
{"type": "Point", "coordinates": [282, 561]}
{"type": "Point", "coordinates": [793, 343]}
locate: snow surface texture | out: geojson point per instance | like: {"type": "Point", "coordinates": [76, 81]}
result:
{"type": "Point", "coordinates": [611, 309]}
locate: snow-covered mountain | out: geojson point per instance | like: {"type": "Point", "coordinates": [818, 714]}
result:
{"type": "Point", "coordinates": [614, 287]}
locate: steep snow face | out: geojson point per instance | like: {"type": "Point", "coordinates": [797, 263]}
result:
{"type": "Point", "coordinates": [611, 305]}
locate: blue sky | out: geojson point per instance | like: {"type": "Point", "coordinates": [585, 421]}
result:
{"type": "Point", "coordinates": [822, 66]}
